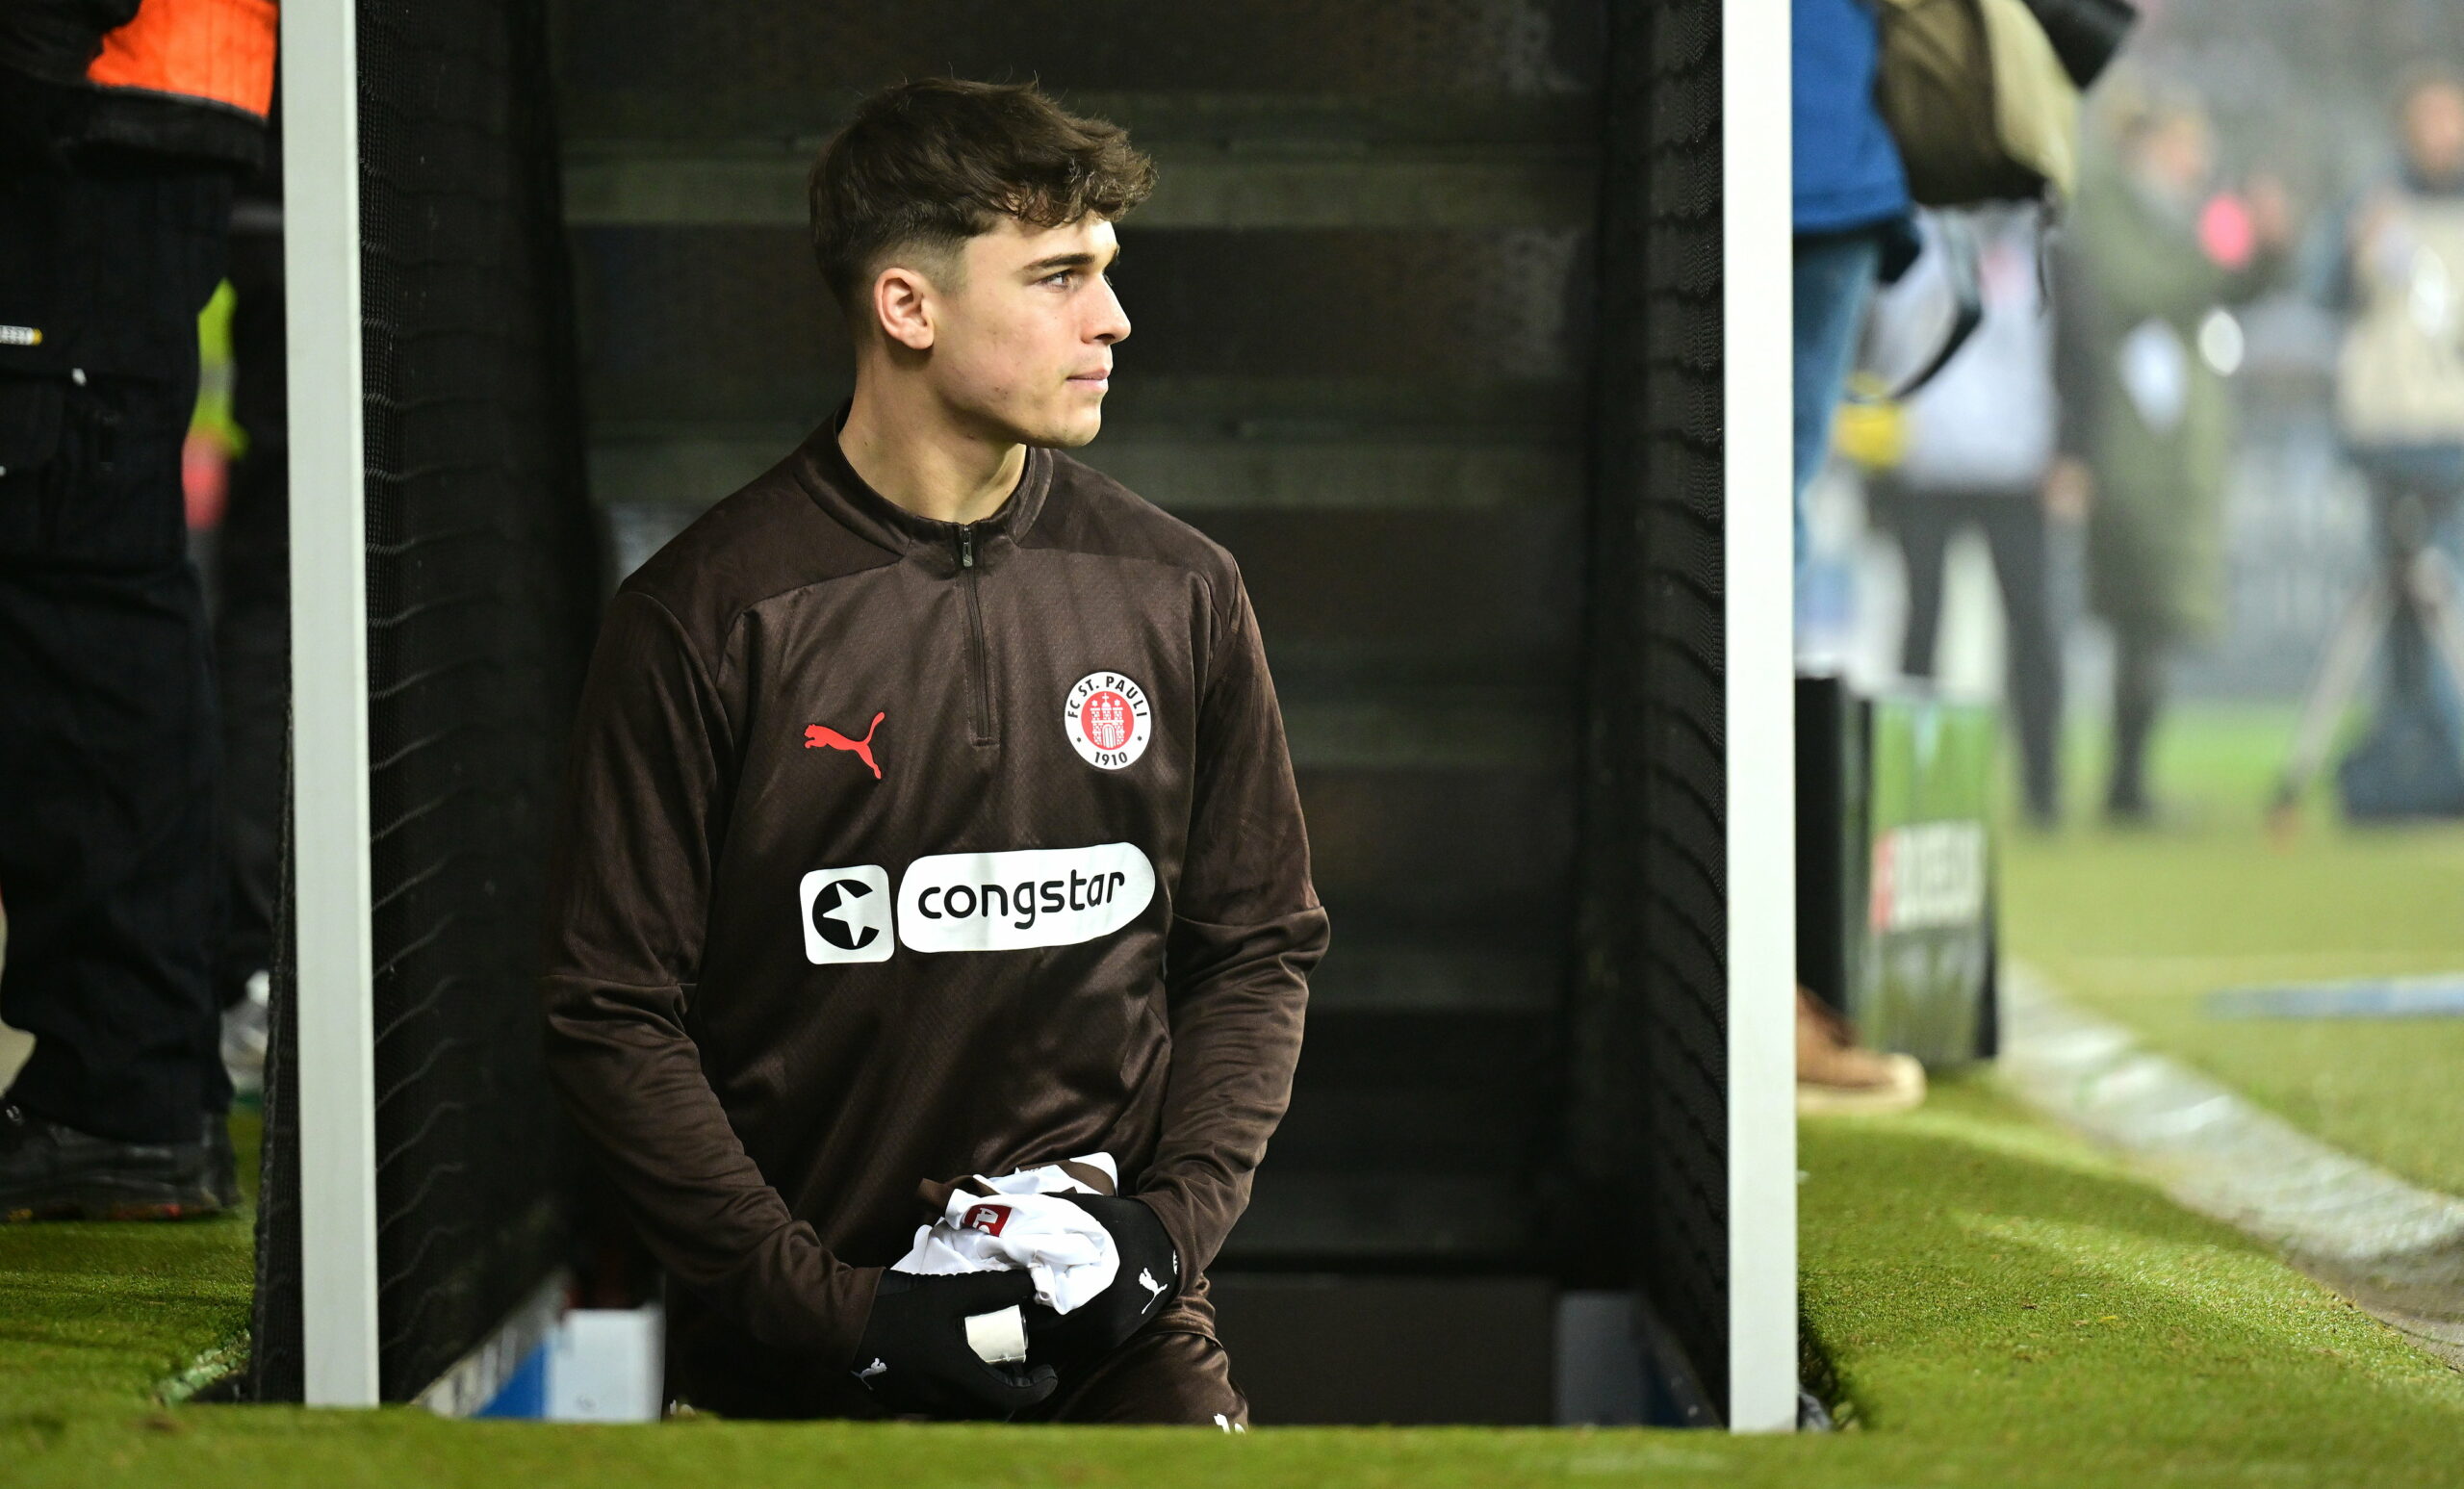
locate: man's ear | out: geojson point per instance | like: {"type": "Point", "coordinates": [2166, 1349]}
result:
{"type": "Point", "coordinates": [902, 307]}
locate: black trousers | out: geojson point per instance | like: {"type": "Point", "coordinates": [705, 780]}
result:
{"type": "Point", "coordinates": [252, 625]}
{"type": "Point", "coordinates": [108, 724]}
{"type": "Point", "coordinates": [2014, 525]}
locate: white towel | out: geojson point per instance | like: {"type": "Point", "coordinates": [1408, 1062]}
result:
{"type": "Point", "coordinates": [1028, 1221]}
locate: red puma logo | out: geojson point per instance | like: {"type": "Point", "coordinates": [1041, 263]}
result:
{"type": "Point", "coordinates": [821, 736]}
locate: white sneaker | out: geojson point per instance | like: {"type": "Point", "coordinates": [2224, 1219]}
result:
{"type": "Point", "coordinates": [245, 1025]}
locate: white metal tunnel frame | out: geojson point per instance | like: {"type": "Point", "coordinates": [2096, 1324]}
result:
{"type": "Point", "coordinates": [333, 1012]}
{"type": "Point", "coordinates": [329, 672]}
{"type": "Point", "coordinates": [1757, 441]}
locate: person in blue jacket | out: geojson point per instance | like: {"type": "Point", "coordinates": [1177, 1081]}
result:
{"type": "Point", "coordinates": [1853, 227]}
{"type": "Point", "coordinates": [1853, 221]}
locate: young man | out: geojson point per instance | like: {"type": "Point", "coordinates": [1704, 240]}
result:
{"type": "Point", "coordinates": [930, 815]}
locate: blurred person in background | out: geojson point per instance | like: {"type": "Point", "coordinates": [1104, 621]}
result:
{"type": "Point", "coordinates": [1853, 224]}
{"type": "Point", "coordinates": [121, 128]}
{"type": "Point", "coordinates": [1853, 227]}
{"type": "Point", "coordinates": [2394, 270]}
{"type": "Point", "coordinates": [1976, 450]}
{"type": "Point", "coordinates": [2151, 255]}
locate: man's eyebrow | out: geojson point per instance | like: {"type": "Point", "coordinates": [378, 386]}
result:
{"type": "Point", "coordinates": [1079, 260]}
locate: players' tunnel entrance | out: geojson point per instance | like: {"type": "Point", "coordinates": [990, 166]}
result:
{"type": "Point", "coordinates": [1368, 312]}
{"type": "Point", "coordinates": [1433, 332]}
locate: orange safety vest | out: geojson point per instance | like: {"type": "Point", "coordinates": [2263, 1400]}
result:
{"type": "Point", "coordinates": [213, 51]}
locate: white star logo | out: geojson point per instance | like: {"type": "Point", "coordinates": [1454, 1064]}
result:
{"type": "Point", "coordinates": [847, 915]}
{"type": "Point", "coordinates": [857, 901]}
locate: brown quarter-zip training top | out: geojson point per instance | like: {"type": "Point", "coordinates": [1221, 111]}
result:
{"type": "Point", "coordinates": [896, 850]}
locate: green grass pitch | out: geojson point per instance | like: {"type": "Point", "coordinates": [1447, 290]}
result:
{"type": "Point", "coordinates": [1999, 1304]}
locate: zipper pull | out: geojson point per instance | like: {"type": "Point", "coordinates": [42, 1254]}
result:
{"type": "Point", "coordinates": [967, 547]}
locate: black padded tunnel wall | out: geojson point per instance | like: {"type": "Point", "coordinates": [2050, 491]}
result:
{"type": "Point", "coordinates": [481, 585]}
{"type": "Point", "coordinates": [1650, 1052]}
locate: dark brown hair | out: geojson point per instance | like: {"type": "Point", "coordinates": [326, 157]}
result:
{"type": "Point", "coordinates": [928, 164]}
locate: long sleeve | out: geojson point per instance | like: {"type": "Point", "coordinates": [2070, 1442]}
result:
{"type": "Point", "coordinates": [1246, 931]}
{"type": "Point", "coordinates": [645, 796]}
{"type": "Point", "coordinates": [56, 39]}
{"type": "Point", "coordinates": [2147, 267]}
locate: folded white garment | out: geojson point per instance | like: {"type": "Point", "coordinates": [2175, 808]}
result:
{"type": "Point", "coordinates": [1027, 1222]}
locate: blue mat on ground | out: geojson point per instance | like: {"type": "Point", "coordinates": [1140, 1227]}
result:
{"type": "Point", "coordinates": [2381, 997]}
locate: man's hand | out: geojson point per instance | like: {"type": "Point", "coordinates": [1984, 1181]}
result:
{"type": "Point", "coordinates": [1150, 1275]}
{"type": "Point", "coordinates": [915, 1357]}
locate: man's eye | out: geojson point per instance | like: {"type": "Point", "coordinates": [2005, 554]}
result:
{"type": "Point", "coordinates": [1061, 276]}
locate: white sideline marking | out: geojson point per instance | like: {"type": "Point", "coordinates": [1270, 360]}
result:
{"type": "Point", "coordinates": [2211, 1150]}
{"type": "Point", "coordinates": [2395, 1248]}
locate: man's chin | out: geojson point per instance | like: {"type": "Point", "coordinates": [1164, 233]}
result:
{"type": "Point", "coordinates": [1057, 424]}
{"type": "Point", "coordinates": [1070, 433]}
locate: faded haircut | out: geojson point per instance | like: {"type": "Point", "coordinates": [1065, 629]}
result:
{"type": "Point", "coordinates": [925, 165]}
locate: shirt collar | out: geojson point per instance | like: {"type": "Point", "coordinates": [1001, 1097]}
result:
{"type": "Point", "coordinates": [827, 477]}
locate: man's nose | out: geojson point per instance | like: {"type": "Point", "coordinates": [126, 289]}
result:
{"type": "Point", "coordinates": [1112, 322]}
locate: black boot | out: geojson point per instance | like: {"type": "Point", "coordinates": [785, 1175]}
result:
{"type": "Point", "coordinates": [51, 1172]}
{"type": "Point", "coordinates": [2139, 696]}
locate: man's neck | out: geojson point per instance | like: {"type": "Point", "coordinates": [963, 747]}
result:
{"type": "Point", "coordinates": [911, 451]}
